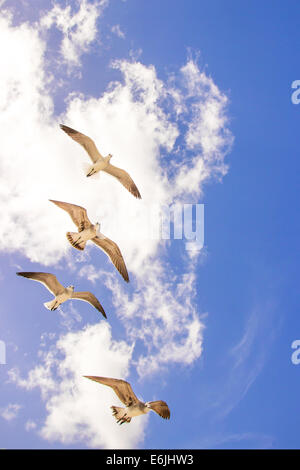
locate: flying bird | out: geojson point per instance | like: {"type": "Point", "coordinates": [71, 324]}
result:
{"type": "Point", "coordinates": [134, 407]}
{"type": "Point", "coordinates": [101, 163]}
{"type": "Point", "coordinates": [88, 231]}
{"type": "Point", "coordinates": [62, 293]}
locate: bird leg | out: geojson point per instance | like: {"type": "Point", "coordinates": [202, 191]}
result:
{"type": "Point", "coordinates": [124, 419]}
{"type": "Point", "coordinates": [120, 415]}
{"type": "Point", "coordinates": [77, 242]}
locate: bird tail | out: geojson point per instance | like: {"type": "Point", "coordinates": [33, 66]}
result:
{"type": "Point", "coordinates": [52, 305]}
{"type": "Point", "coordinates": [76, 240]}
{"type": "Point", "coordinates": [120, 415]}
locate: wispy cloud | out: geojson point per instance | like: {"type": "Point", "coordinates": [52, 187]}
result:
{"type": "Point", "coordinates": [30, 424]}
{"type": "Point", "coordinates": [116, 29]}
{"type": "Point", "coordinates": [70, 317]}
{"type": "Point", "coordinates": [161, 313]}
{"type": "Point", "coordinates": [89, 272]}
{"type": "Point", "coordinates": [10, 412]}
{"type": "Point", "coordinates": [246, 360]}
{"type": "Point", "coordinates": [234, 440]}
{"type": "Point", "coordinates": [79, 29]}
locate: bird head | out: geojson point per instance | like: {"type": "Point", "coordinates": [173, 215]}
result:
{"type": "Point", "coordinates": [109, 156]}
{"type": "Point", "coordinates": [97, 227]}
{"type": "Point", "coordinates": [71, 287]}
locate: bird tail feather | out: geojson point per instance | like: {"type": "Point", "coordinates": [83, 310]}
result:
{"type": "Point", "coordinates": [75, 239]}
{"type": "Point", "coordinates": [120, 415]}
{"type": "Point", "coordinates": [52, 305]}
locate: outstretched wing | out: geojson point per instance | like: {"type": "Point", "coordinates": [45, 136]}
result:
{"type": "Point", "coordinates": [77, 213]}
{"type": "Point", "coordinates": [114, 253]}
{"type": "Point", "coordinates": [86, 142]}
{"type": "Point", "coordinates": [124, 179]}
{"type": "Point", "coordinates": [91, 299]}
{"type": "Point", "coordinates": [121, 388]}
{"type": "Point", "coordinates": [161, 408]}
{"type": "Point", "coordinates": [49, 281]}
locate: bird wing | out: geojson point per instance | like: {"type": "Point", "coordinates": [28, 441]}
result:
{"type": "Point", "coordinates": [121, 388]}
{"type": "Point", "coordinates": [161, 408]}
{"type": "Point", "coordinates": [91, 299]}
{"type": "Point", "coordinates": [86, 142]}
{"type": "Point", "coordinates": [49, 281]}
{"type": "Point", "coordinates": [77, 213]}
{"type": "Point", "coordinates": [114, 253]}
{"type": "Point", "coordinates": [124, 179]}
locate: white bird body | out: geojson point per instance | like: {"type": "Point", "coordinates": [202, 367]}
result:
{"type": "Point", "coordinates": [88, 231]}
{"type": "Point", "coordinates": [79, 239]}
{"type": "Point", "coordinates": [101, 163]}
{"type": "Point", "coordinates": [133, 406]}
{"type": "Point", "coordinates": [124, 415]}
{"type": "Point", "coordinates": [136, 409]}
{"type": "Point", "coordinates": [61, 293]}
{"type": "Point", "coordinates": [60, 299]}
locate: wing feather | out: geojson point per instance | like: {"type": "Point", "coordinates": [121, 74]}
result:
{"type": "Point", "coordinates": [91, 299]}
{"type": "Point", "coordinates": [114, 253]}
{"type": "Point", "coordinates": [121, 388]}
{"type": "Point", "coordinates": [48, 280]}
{"type": "Point", "coordinates": [124, 178]}
{"type": "Point", "coordinates": [77, 213]}
{"type": "Point", "coordinates": [161, 408]}
{"type": "Point", "coordinates": [86, 142]}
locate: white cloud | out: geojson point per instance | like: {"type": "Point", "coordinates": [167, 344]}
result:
{"type": "Point", "coordinates": [10, 412]}
{"type": "Point", "coordinates": [79, 29]}
{"type": "Point", "coordinates": [78, 409]}
{"type": "Point", "coordinates": [207, 135]}
{"type": "Point", "coordinates": [45, 337]}
{"type": "Point", "coordinates": [69, 316]}
{"type": "Point", "coordinates": [161, 312]}
{"type": "Point", "coordinates": [116, 29]}
{"type": "Point", "coordinates": [30, 424]}
{"type": "Point", "coordinates": [90, 272]}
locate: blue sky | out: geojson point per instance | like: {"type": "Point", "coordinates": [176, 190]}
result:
{"type": "Point", "coordinates": [209, 334]}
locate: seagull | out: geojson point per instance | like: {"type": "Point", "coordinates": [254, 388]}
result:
{"type": "Point", "coordinates": [62, 293]}
{"type": "Point", "coordinates": [134, 407]}
{"type": "Point", "coordinates": [88, 231]}
{"type": "Point", "coordinates": [100, 162]}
